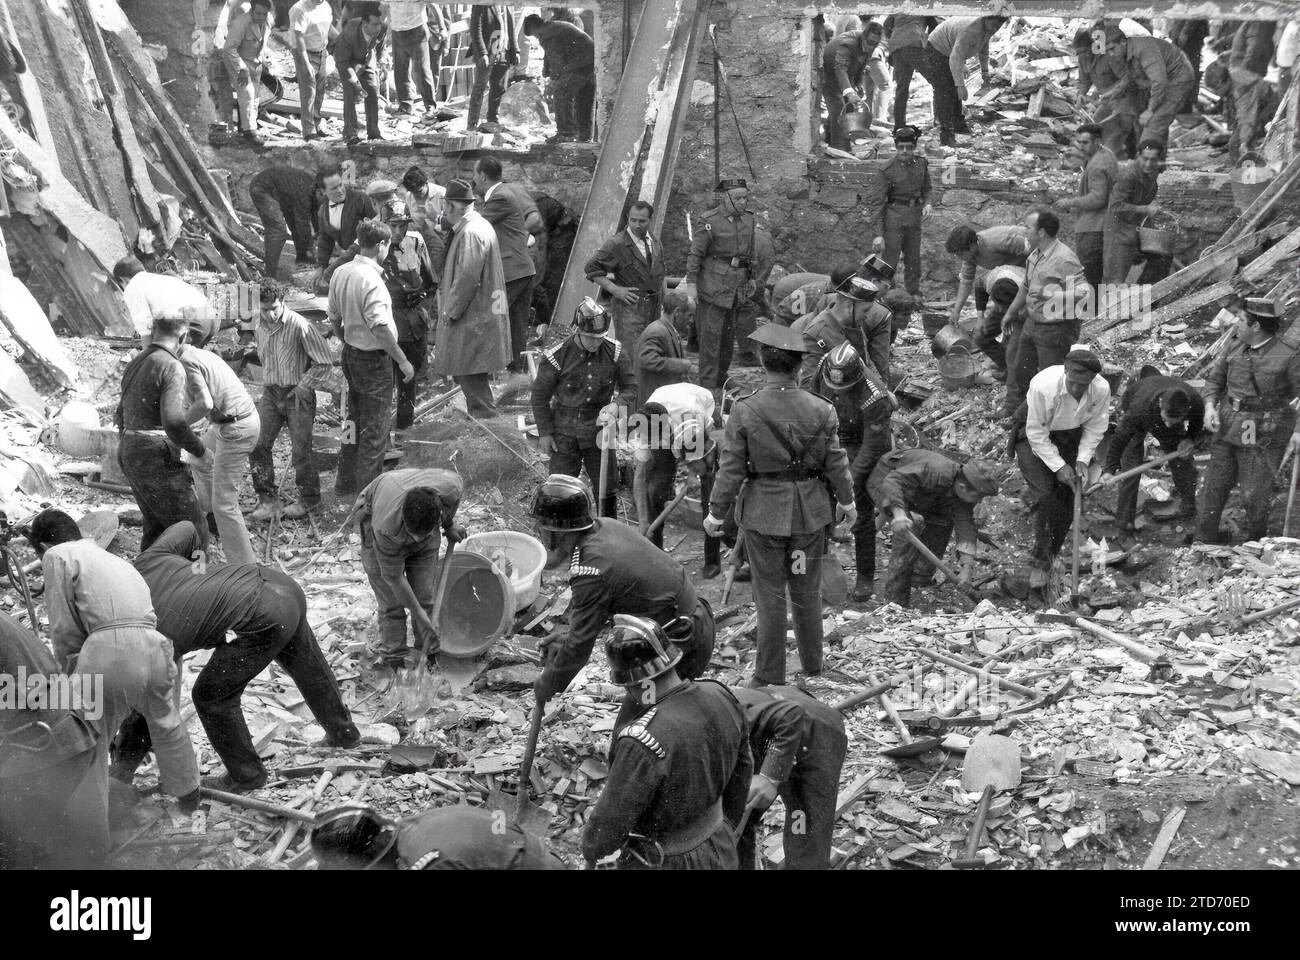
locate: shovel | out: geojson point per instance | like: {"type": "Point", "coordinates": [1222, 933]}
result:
{"type": "Point", "coordinates": [1290, 497]}
{"type": "Point", "coordinates": [1078, 540]}
{"type": "Point", "coordinates": [733, 564]}
{"type": "Point", "coordinates": [408, 685]}
{"type": "Point", "coordinates": [663, 516]}
{"type": "Point", "coordinates": [527, 814]}
{"type": "Point", "coordinates": [909, 747]}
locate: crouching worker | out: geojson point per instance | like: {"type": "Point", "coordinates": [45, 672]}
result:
{"type": "Point", "coordinates": [798, 745]}
{"type": "Point", "coordinates": [929, 495]}
{"type": "Point", "coordinates": [679, 771]}
{"type": "Point", "coordinates": [999, 333]}
{"type": "Point", "coordinates": [612, 570]}
{"type": "Point", "coordinates": [356, 837]}
{"type": "Point", "coordinates": [267, 612]}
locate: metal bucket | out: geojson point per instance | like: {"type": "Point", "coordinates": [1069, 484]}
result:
{"type": "Point", "coordinates": [932, 321]}
{"type": "Point", "coordinates": [1249, 180]}
{"type": "Point", "coordinates": [951, 338]}
{"type": "Point", "coordinates": [855, 122]}
{"type": "Point", "coordinates": [958, 370]}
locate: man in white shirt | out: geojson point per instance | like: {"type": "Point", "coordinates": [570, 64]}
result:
{"type": "Point", "coordinates": [311, 28]}
{"type": "Point", "coordinates": [1056, 432]}
{"type": "Point", "coordinates": [152, 295]}
{"type": "Point", "coordinates": [672, 428]}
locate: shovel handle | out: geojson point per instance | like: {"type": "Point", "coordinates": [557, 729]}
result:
{"type": "Point", "coordinates": [659, 520]}
{"type": "Point", "coordinates": [977, 827]}
{"type": "Point", "coordinates": [848, 703]}
{"type": "Point", "coordinates": [734, 561]}
{"type": "Point", "coordinates": [1290, 496]}
{"type": "Point", "coordinates": [1077, 536]}
{"type": "Point", "coordinates": [937, 563]}
{"type": "Point", "coordinates": [526, 768]}
{"type": "Point", "coordinates": [437, 604]}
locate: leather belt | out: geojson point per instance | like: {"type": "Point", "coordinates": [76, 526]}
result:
{"type": "Point", "coordinates": [144, 433]}
{"type": "Point", "coordinates": [735, 261]}
{"type": "Point", "coordinates": [906, 203]}
{"type": "Point", "coordinates": [790, 473]}
{"type": "Point", "coordinates": [226, 418]}
{"type": "Point", "coordinates": [693, 834]}
{"type": "Point", "coordinates": [1247, 403]}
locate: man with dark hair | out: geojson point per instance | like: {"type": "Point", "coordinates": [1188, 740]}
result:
{"type": "Point", "coordinates": [780, 461]}
{"type": "Point", "coordinates": [561, 229]}
{"type": "Point", "coordinates": [571, 66]}
{"type": "Point", "coordinates": [1156, 66]}
{"type": "Point", "coordinates": [843, 76]}
{"type": "Point", "coordinates": [356, 57]}
{"type": "Point", "coordinates": [998, 334]}
{"type": "Point", "coordinates": [1054, 298]}
{"type": "Point", "coordinates": [494, 46]}
{"type": "Point", "coordinates": [102, 624]}
{"type": "Point", "coordinates": [344, 207]}
{"type": "Point", "coordinates": [311, 30]}
{"type": "Point", "coordinates": [1132, 200]}
{"type": "Point", "coordinates": [1100, 169]}
{"type": "Point", "coordinates": [1103, 69]}
{"type": "Point", "coordinates": [1054, 434]}
{"type": "Point", "coordinates": [629, 268]}
{"type": "Point", "coordinates": [982, 251]}
{"type": "Point", "coordinates": [246, 36]}
{"type": "Point", "coordinates": [853, 316]}
{"type": "Point", "coordinates": [516, 222]}
{"type": "Point", "coordinates": [900, 201]}
{"type": "Point", "coordinates": [287, 200]}
{"type": "Point", "coordinates": [398, 516]}
{"type": "Point", "coordinates": [1251, 387]}
{"type": "Point", "coordinates": [1171, 411]}
{"type": "Point", "coordinates": [361, 313]}
{"type": "Point", "coordinates": [659, 358]}
{"type": "Point", "coordinates": [296, 362]}
{"type": "Point", "coordinates": [151, 422]}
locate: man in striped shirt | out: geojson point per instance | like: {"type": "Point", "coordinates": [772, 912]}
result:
{"type": "Point", "coordinates": [295, 363]}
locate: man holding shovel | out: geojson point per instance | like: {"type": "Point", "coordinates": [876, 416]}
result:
{"type": "Point", "coordinates": [1054, 434]}
{"type": "Point", "coordinates": [398, 516]}
{"type": "Point", "coordinates": [929, 496]}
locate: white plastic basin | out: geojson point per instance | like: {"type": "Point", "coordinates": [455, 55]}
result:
{"type": "Point", "coordinates": [517, 556]}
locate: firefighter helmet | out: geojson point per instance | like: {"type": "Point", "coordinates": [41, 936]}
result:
{"type": "Point", "coordinates": [352, 835]}
{"type": "Point", "coordinates": [591, 318]}
{"type": "Point", "coordinates": [639, 651]}
{"type": "Point", "coordinates": [842, 367]}
{"type": "Point", "coordinates": [562, 504]}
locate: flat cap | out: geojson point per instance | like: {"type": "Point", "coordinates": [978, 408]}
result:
{"type": "Point", "coordinates": [981, 477]}
{"type": "Point", "coordinates": [775, 335]}
{"type": "Point", "coordinates": [1082, 358]}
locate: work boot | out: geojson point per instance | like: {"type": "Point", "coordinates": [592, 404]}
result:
{"type": "Point", "coordinates": [710, 571]}
{"type": "Point", "coordinates": [190, 802]}
{"type": "Point", "coordinates": [229, 784]}
{"type": "Point", "coordinates": [297, 510]}
{"type": "Point", "coordinates": [947, 138]}
{"type": "Point", "coordinates": [863, 590]}
{"type": "Point", "coordinates": [343, 740]}
{"type": "Point", "coordinates": [264, 510]}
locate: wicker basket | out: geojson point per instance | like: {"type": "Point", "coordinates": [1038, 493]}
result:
{"type": "Point", "coordinates": [958, 370]}
{"type": "Point", "coordinates": [1153, 240]}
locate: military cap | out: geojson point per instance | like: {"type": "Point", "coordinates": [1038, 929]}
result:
{"type": "Point", "coordinates": [981, 477]}
{"type": "Point", "coordinates": [1262, 307]}
{"type": "Point", "coordinates": [906, 134]}
{"type": "Point", "coordinates": [732, 183]}
{"type": "Point", "coordinates": [775, 335]}
{"type": "Point", "coordinates": [856, 288]}
{"type": "Point", "coordinates": [877, 264]}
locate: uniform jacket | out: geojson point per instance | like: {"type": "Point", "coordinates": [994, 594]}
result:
{"type": "Point", "coordinates": [670, 767]}
{"type": "Point", "coordinates": [660, 359]}
{"type": "Point", "coordinates": [864, 406]}
{"type": "Point", "coordinates": [1252, 46]}
{"type": "Point", "coordinates": [720, 239]}
{"type": "Point", "coordinates": [922, 481]}
{"type": "Point", "coordinates": [822, 333]}
{"type": "Point", "coordinates": [329, 242]}
{"type": "Point", "coordinates": [507, 214]}
{"type": "Point", "coordinates": [1132, 189]}
{"type": "Point", "coordinates": [1141, 406]}
{"type": "Point", "coordinates": [573, 384]}
{"type": "Point", "coordinates": [1265, 379]}
{"type": "Point", "coordinates": [778, 427]}
{"type": "Point", "coordinates": [473, 334]}
{"type": "Point", "coordinates": [900, 182]}
{"type": "Point", "coordinates": [624, 262]}
{"type": "Point", "coordinates": [492, 34]}
{"type": "Point", "coordinates": [460, 837]}
{"type": "Point", "coordinates": [409, 276]}
{"type": "Point", "coordinates": [796, 294]}
{"type": "Point", "coordinates": [1157, 66]}
{"type": "Point", "coordinates": [785, 725]}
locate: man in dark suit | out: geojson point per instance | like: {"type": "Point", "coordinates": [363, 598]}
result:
{"type": "Point", "coordinates": [493, 43]}
{"type": "Point", "coordinates": [561, 227]}
{"type": "Point", "coordinates": [336, 227]}
{"type": "Point", "coordinates": [629, 268]}
{"type": "Point", "coordinates": [508, 210]}
{"type": "Point", "coordinates": [356, 54]}
{"type": "Point", "coordinates": [658, 359]}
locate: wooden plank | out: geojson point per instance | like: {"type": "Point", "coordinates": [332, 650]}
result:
{"type": "Point", "coordinates": [23, 317]}
{"type": "Point", "coordinates": [1164, 838]}
{"type": "Point", "coordinates": [29, 84]}
{"type": "Point", "coordinates": [1262, 204]}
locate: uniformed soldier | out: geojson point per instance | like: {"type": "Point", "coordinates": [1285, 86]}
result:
{"type": "Point", "coordinates": [458, 837]}
{"type": "Point", "coordinates": [1248, 402]}
{"type": "Point", "coordinates": [781, 459]}
{"type": "Point", "coordinates": [798, 746]}
{"type": "Point", "coordinates": [900, 201]}
{"type": "Point", "coordinates": [679, 772]}
{"type": "Point", "coordinates": [864, 407]}
{"type": "Point", "coordinates": [612, 570]}
{"type": "Point", "coordinates": [720, 277]}
{"type": "Point", "coordinates": [583, 383]}
{"type": "Point", "coordinates": [930, 495]}
{"type": "Point", "coordinates": [852, 317]}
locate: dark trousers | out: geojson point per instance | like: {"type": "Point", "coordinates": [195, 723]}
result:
{"type": "Point", "coordinates": [571, 454]}
{"type": "Point", "coordinates": [903, 235]}
{"type": "Point", "coordinates": [834, 110]}
{"type": "Point", "coordinates": [281, 219]}
{"type": "Point", "coordinates": [863, 458]}
{"type": "Point", "coordinates": [477, 388]}
{"type": "Point", "coordinates": [277, 407]}
{"type": "Point", "coordinates": [519, 300]}
{"type": "Point", "coordinates": [493, 81]}
{"type": "Point", "coordinates": [777, 563]}
{"type": "Point", "coordinates": [1042, 345]}
{"type": "Point", "coordinates": [631, 319]}
{"type": "Point", "coordinates": [1183, 470]}
{"type": "Point", "coordinates": [1091, 249]}
{"type": "Point", "coordinates": [276, 631]}
{"type": "Point", "coordinates": [1011, 337]}
{"type": "Point", "coordinates": [988, 335]}
{"type": "Point", "coordinates": [1051, 502]}
{"type": "Point", "coordinates": [716, 327]}
{"type": "Point", "coordinates": [905, 561]}
{"type": "Point", "coordinates": [906, 62]}
{"type": "Point", "coordinates": [575, 95]}
{"type": "Point", "coordinates": [661, 473]}
{"type": "Point", "coordinates": [420, 569]}
{"type": "Point", "coordinates": [411, 52]}
{"type": "Point", "coordinates": [370, 92]}
{"type": "Point", "coordinates": [367, 419]}
{"type": "Point", "coordinates": [947, 108]}
{"type": "Point", "coordinates": [55, 817]}
{"type": "Point", "coordinates": [161, 484]}
{"type": "Point", "coordinates": [1253, 467]}
{"type": "Point", "coordinates": [417, 353]}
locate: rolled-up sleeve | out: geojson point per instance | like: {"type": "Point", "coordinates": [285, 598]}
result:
{"type": "Point", "coordinates": [1094, 428]}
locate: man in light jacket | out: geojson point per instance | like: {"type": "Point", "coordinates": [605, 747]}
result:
{"type": "Point", "coordinates": [242, 54]}
{"type": "Point", "coordinates": [473, 334]}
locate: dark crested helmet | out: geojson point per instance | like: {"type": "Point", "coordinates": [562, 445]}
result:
{"type": "Point", "coordinates": [562, 504]}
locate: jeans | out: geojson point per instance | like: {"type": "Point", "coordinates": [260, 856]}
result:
{"type": "Point", "coordinates": [477, 388]}
{"type": "Point", "coordinates": [777, 564]}
{"type": "Point", "coordinates": [575, 96]}
{"type": "Point", "coordinates": [161, 485]}
{"type": "Point", "coordinates": [277, 407]}
{"type": "Point", "coordinates": [370, 92]}
{"type": "Point", "coordinates": [216, 482]}
{"type": "Point", "coordinates": [1042, 345]}
{"type": "Point", "coordinates": [369, 414]}
{"type": "Point", "coordinates": [411, 50]}
{"type": "Point", "coordinates": [281, 220]}
{"type": "Point", "coordinates": [421, 572]}
{"type": "Point", "coordinates": [493, 80]}
{"type": "Point", "coordinates": [417, 353]}
{"type": "Point", "coordinates": [572, 454]}
{"type": "Point", "coordinates": [311, 86]}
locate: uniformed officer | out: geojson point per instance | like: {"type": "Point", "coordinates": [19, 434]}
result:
{"type": "Point", "coordinates": [864, 407]}
{"type": "Point", "coordinates": [583, 383]}
{"type": "Point", "coordinates": [798, 746]}
{"type": "Point", "coordinates": [781, 459]}
{"type": "Point", "coordinates": [411, 282]}
{"type": "Point", "coordinates": [679, 772]}
{"type": "Point", "coordinates": [900, 200]}
{"type": "Point", "coordinates": [720, 276]}
{"type": "Point", "coordinates": [930, 495]}
{"type": "Point", "coordinates": [854, 317]}
{"type": "Point", "coordinates": [458, 837]}
{"type": "Point", "coordinates": [1248, 403]}
{"type": "Point", "coordinates": [612, 570]}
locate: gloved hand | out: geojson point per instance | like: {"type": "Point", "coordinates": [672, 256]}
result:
{"type": "Point", "coordinates": [712, 526]}
{"type": "Point", "coordinates": [762, 791]}
{"type": "Point", "coordinates": [454, 532]}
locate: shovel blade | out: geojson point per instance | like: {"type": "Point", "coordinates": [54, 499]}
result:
{"type": "Point", "coordinates": [913, 749]}
{"type": "Point", "coordinates": [533, 818]}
